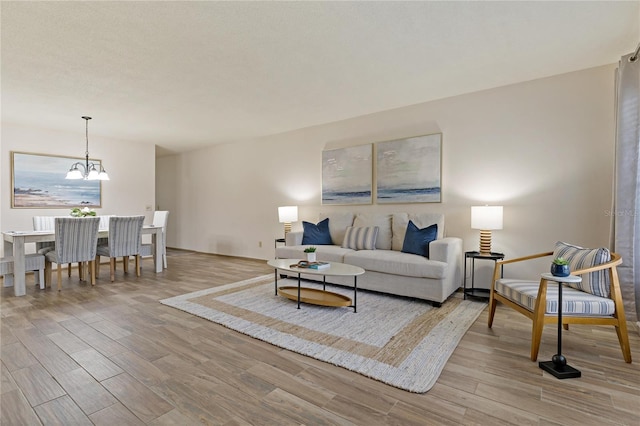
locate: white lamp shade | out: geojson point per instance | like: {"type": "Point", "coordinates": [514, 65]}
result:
{"type": "Point", "coordinates": [486, 217]}
{"type": "Point", "coordinates": [74, 174]}
{"type": "Point", "coordinates": [288, 214]}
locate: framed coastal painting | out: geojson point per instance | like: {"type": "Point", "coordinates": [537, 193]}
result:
{"type": "Point", "coordinates": [347, 175]}
{"type": "Point", "coordinates": [409, 170]}
{"type": "Point", "coordinates": [38, 182]}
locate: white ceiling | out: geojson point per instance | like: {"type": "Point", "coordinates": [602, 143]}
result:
{"type": "Point", "coordinates": [186, 74]}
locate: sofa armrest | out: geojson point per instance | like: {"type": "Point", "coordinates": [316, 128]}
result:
{"type": "Point", "coordinates": [293, 238]}
{"type": "Point", "coordinates": [448, 250]}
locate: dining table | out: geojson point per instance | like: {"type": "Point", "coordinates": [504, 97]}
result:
{"type": "Point", "coordinates": [15, 244]}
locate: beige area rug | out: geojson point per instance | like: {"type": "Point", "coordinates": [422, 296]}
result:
{"type": "Point", "coordinates": [402, 342]}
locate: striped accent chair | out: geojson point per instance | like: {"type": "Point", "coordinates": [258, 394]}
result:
{"type": "Point", "coordinates": [125, 239]}
{"type": "Point", "coordinates": [32, 262]}
{"type": "Point", "coordinates": [76, 241]}
{"type": "Point", "coordinates": [597, 300]}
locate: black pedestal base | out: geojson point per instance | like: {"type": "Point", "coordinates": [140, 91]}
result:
{"type": "Point", "coordinates": [560, 371]}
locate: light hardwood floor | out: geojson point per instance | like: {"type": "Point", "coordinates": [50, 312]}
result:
{"type": "Point", "coordinates": [112, 355]}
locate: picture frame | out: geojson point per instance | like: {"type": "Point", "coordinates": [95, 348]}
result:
{"type": "Point", "coordinates": [38, 182]}
{"type": "Point", "coordinates": [409, 170]}
{"type": "Point", "coordinates": [347, 175]}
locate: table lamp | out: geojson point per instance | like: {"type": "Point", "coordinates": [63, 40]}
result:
{"type": "Point", "coordinates": [286, 215]}
{"type": "Point", "coordinates": [486, 219]}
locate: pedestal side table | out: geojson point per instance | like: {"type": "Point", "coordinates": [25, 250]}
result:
{"type": "Point", "coordinates": [558, 365]}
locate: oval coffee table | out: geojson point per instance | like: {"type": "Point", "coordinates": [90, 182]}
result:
{"type": "Point", "coordinates": [312, 295]}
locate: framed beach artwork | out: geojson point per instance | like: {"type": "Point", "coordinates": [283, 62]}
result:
{"type": "Point", "coordinates": [38, 182]}
{"type": "Point", "coordinates": [347, 175]}
{"type": "Point", "coordinates": [409, 170]}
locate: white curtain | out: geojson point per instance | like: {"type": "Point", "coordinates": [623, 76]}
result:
{"type": "Point", "coordinates": [626, 209]}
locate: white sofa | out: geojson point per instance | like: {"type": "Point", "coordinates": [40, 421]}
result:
{"type": "Point", "coordinates": [387, 268]}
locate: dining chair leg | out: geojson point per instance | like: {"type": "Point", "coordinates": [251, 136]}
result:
{"type": "Point", "coordinates": [69, 270]}
{"type": "Point", "coordinates": [112, 268]}
{"type": "Point", "coordinates": [47, 274]}
{"type": "Point", "coordinates": [59, 276]}
{"type": "Point", "coordinates": [97, 266]}
{"type": "Point", "coordinates": [137, 265]}
{"type": "Point", "coordinates": [125, 264]}
{"type": "Point", "coordinates": [92, 271]}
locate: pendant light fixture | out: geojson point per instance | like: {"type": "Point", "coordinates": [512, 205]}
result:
{"type": "Point", "coordinates": [87, 171]}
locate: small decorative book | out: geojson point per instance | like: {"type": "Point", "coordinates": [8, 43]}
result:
{"type": "Point", "coordinates": [311, 265]}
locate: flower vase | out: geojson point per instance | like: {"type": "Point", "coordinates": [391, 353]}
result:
{"type": "Point", "coordinates": [311, 257]}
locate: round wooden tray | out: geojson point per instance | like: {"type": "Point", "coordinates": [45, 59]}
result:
{"type": "Point", "coordinates": [314, 296]}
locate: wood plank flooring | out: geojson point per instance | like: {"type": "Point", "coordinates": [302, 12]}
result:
{"type": "Point", "coordinates": [112, 355]}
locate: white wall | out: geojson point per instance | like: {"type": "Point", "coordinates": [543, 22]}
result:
{"type": "Point", "coordinates": [131, 168]}
{"type": "Point", "coordinates": [544, 149]}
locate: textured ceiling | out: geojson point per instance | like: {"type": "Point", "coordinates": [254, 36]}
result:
{"type": "Point", "coordinates": [186, 74]}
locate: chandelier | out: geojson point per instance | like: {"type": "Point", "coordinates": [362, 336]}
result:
{"type": "Point", "coordinates": [87, 170]}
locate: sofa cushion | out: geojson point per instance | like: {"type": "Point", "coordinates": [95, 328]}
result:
{"type": "Point", "coordinates": [416, 240]}
{"type": "Point", "coordinates": [324, 253]}
{"type": "Point", "coordinates": [361, 238]}
{"type": "Point", "coordinates": [421, 220]}
{"type": "Point", "coordinates": [397, 263]}
{"type": "Point", "coordinates": [580, 258]}
{"type": "Point", "coordinates": [316, 234]}
{"type": "Point", "coordinates": [382, 221]}
{"type": "Point", "coordinates": [338, 223]}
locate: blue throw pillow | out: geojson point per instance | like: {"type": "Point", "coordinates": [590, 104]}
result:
{"type": "Point", "coordinates": [416, 240]}
{"type": "Point", "coordinates": [316, 235]}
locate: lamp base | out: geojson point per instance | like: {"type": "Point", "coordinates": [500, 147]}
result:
{"type": "Point", "coordinates": [485, 242]}
{"type": "Point", "coordinates": [287, 228]}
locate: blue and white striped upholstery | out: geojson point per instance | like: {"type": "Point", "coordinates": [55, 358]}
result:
{"type": "Point", "coordinates": [596, 283]}
{"type": "Point", "coordinates": [124, 237]}
{"type": "Point", "coordinates": [76, 240]}
{"type": "Point", "coordinates": [360, 238]}
{"type": "Point", "coordinates": [574, 302]}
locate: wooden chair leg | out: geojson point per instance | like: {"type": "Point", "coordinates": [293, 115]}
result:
{"type": "Point", "coordinates": [112, 268]}
{"type": "Point", "coordinates": [92, 271]}
{"type": "Point", "coordinates": [137, 265]}
{"type": "Point", "coordinates": [536, 337]}
{"type": "Point", "coordinates": [59, 277]}
{"type": "Point", "coordinates": [623, 338]}
{"type": "Point", "coordinates": [69, 270]}
{"type": "Point", "coordinates": [125, 264]}
{"type": "Point", "coordinates": [97, 266]}
{"type": "Point", "coordinates": [492, 311]}
{"type": "Point", "coordinates": [47, 274]}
